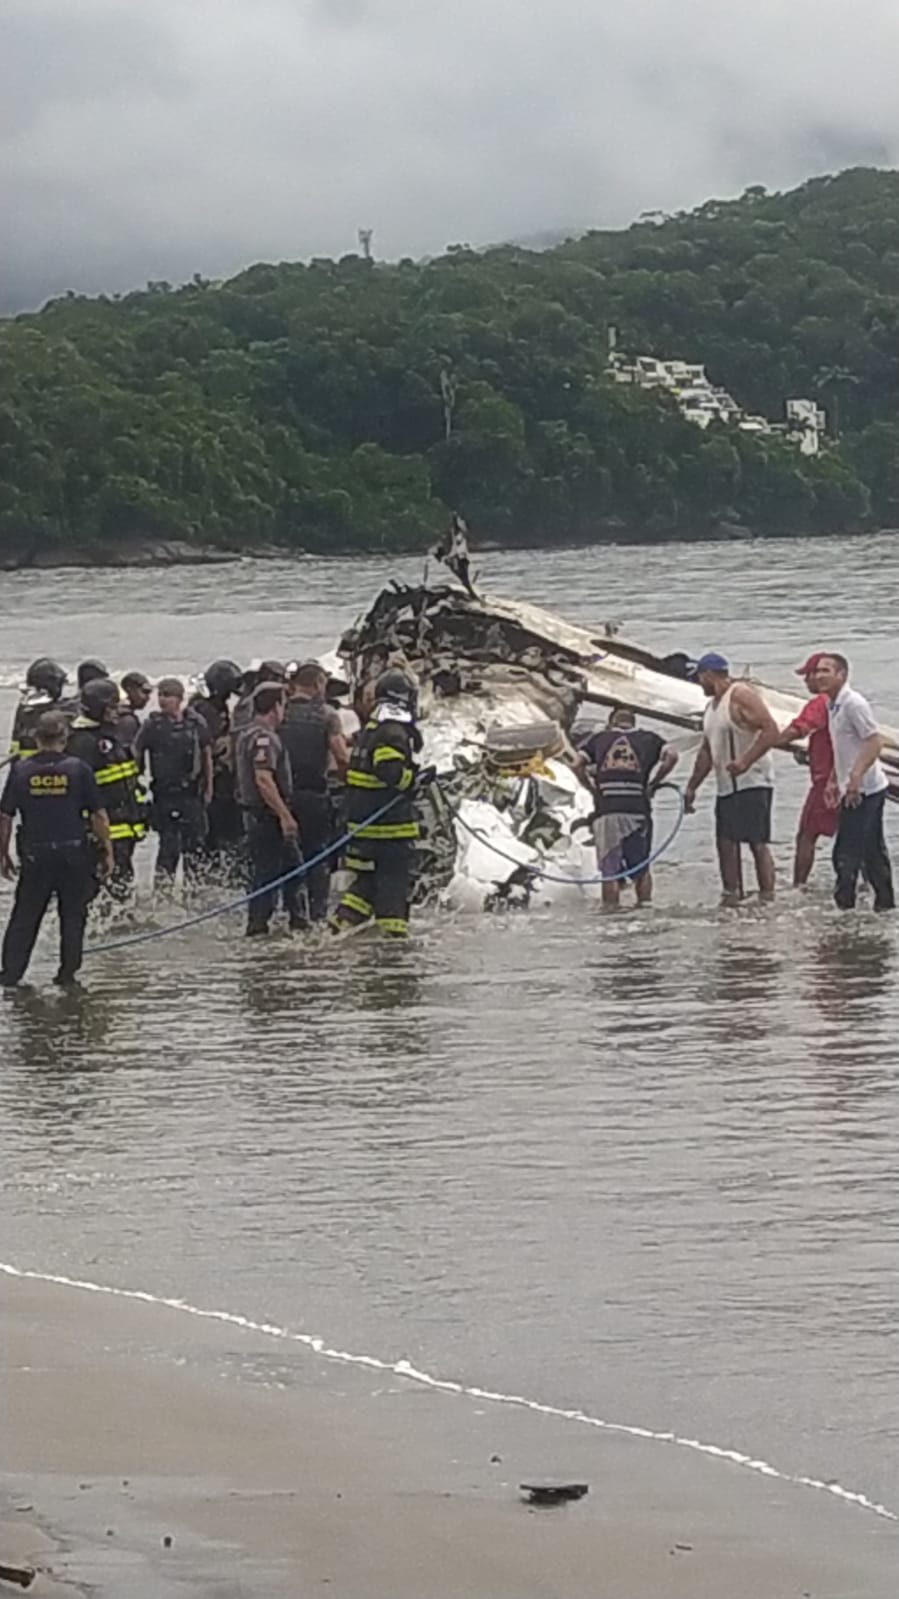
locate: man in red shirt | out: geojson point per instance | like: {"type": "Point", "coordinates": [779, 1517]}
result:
{"type": "Point", "coordinates": [821, 811]}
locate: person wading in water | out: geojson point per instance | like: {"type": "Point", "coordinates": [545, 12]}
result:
{"type": "Point", "coordinates": [738, 734]}
{"type": "Point", "coordinates": [627, 764]}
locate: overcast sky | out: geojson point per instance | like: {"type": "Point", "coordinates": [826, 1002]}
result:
{"type": "Point", "coordinates": [159, 138]}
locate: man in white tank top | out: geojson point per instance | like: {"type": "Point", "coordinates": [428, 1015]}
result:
{"type": "Point", "coordinates": [738, 735]}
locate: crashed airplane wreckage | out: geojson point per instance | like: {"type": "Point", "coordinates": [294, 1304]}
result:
{"type": "Point", "coordinates": [501, 686]}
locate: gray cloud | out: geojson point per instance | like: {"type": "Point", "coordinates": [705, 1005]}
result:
{"type": "Point", "coordinates": [152, 141]}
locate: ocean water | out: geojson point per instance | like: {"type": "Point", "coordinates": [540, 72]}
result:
{"type": "Point", "coordinates": [644, 1166]}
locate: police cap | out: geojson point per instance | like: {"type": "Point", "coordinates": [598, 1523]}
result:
{"type": "Point", "coordinates": [137, 680]}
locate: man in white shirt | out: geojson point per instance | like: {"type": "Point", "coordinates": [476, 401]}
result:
{"type": "Point", "coordinates": [862, 782]}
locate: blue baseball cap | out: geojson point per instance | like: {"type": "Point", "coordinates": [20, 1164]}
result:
{"type": "Point", "coordinates": [710, 662]}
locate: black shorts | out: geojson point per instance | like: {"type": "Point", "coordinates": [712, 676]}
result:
{"type": "Point", "coordinates": [744, 817]}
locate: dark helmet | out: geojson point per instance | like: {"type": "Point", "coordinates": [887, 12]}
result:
{"type": "Point", "coordinates": [272, 672]}
{"type": "Point", "coordinates": [222, 678]}
{"type": "Point", "coordinates": [397, 686]}
{"type": "Point", "coordinates": [99, 696]}
{"type": "Point", "coordinates": [89, 671]}
{"type": "Point", "coordinates": [47, 676]}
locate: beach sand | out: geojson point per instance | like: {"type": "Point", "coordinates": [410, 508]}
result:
{"type": "Point", "coordinates": [124, 1425]}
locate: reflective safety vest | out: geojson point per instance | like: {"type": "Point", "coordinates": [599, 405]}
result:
{"type": "Point", "coordinates": [116, 775]}
{"type": "Point", "coordinates": [383, 766]}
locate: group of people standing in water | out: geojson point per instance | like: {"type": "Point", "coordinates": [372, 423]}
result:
{"type": "Point", "coordinates": [245, 780]}
{"type": "Point", "coordinates": [845, 802]}
{"type": "Point", "coordinates": [244, 777]}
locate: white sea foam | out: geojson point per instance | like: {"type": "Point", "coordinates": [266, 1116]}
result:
{"type": "Point", "coordinates": [404, 1368]}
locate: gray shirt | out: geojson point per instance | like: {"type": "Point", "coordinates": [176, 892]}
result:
{"type": "Point", "coordinates": [851, 723]}
{"type": "Point", "coordinates": [259, 749]}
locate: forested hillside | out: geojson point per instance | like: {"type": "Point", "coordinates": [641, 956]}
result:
{"type": "Point", "coordinates": [349, 404]}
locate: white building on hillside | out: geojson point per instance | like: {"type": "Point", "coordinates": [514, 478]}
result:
{"type": "Point", "coordinates": [703, 402]}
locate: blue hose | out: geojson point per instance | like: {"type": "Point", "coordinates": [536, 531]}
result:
{"type": "Point", "coordinates": [245, 899]}
{"type": "Point", "coordinates": [588, 882]}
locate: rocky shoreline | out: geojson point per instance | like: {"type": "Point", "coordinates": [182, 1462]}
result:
{"type": "Point", "coordinates": [144, 552]}
{"type": "Point", "coordinates": [139, 553]}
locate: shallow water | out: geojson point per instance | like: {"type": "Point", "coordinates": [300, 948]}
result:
{"type": "Point", "coordinates": [643, 1165]}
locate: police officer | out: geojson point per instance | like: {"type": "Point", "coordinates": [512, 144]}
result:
{"type": "Point", "coordinates": [382, 853]}
{"type": "Point", "coordinates": [264, 791]}
{"type": "Point", "coordinates": [179, 747]}
{"type": "Point", "coordinates": [44, 683]}
{"type": "Point", "coordinates": [136, 691]}
{"type": "Point", "coordinates": [224, 835]}
{"type": "Point", "coordinates": [52, 792]}
{"type": "Point", "coordinates": [312, 734]}
{"type": "Point", "coordinates": [94, 739]}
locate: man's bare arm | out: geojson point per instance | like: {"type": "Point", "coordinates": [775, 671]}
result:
{"type": "Point", "coordinates": [752, 712]}
{"type": "Point", "coordinates": [667, 762]}
{"type": "Point", "coordinates": [340, 754]}
{"type": "Point", "coordinates": [100, 830]}
{"type": "Point", "coordinates": [6, 864]}
{"type": "Point", "coordinates": [867, 755]}
{"type": "Point", "coordinates": [701, 768]}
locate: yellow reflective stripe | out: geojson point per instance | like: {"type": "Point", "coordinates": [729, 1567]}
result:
{"type": "Point", "coordinates": [406, 780]}
{"type": "Point", "coordinates": [126, 830]}
{"type": "Point", "coordinates": [356, 863]}
{"type": "Point", "coordinates": [15, 749]}
{"type": "Point", "coordinates": [387, 830]}
{"type": "Point", "coordinates": [386, 752]}
{"type": "Point", "coordinates": [363, 780]}
{"type": "Point", "coordinates": [355, 902]}
{"type": "Point", "coordinates": [116, 774]}
{"type": "Point", "coordinates": [393, 924]}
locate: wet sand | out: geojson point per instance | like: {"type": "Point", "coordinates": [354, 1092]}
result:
{"type": "Point", "coordinates": [124, 1426]}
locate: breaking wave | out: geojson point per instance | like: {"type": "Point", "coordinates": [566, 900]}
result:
{"type": "Point", "coordinates": [404, 1369]}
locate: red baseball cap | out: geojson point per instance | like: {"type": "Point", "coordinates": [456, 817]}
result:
{"type": "Point", "coordinates": [811, 665]}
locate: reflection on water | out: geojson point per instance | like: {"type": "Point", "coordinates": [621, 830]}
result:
{"type": "Point", "coordinates": [644, 1164]}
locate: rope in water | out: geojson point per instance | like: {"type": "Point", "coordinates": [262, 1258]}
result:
{"type": "Point", "coordinates": [588, 882]}
{"type": "Point", "coordinates": [131, 940]}
{"type": "Point", "coordinates": [300, 871]}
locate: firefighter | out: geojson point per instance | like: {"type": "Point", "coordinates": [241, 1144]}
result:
{"type": "Point", "coordinates": [382, 853]}
{"type": "Point", "coordinates": [225, 832]}
{"type": "Point", "coordinates": [52, 793]}
{"type": "Point", "coordinates": [94, 739]}
{"type": "Point", "coordinates": [178, 744]}
{"type": "Point", "coordinates": [44, 683]}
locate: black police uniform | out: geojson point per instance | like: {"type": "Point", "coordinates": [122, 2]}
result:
{"type": "Point", "coordinates": [52, 793]}
{"type": "Point", "coordinates": [381, 853]}
{"type": "Point", "coordinates": [175, 748]}
{"type": "Point", "coordinates": [306, 734]}
{"type": "Point", "coordinates": [271, 855]}
{"type": "Point", "coordinates": [116, 774]}
{"type": "Point", "coordinates": [224, 845]}
{"type": "Point", "coordinates": [31, 707]}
